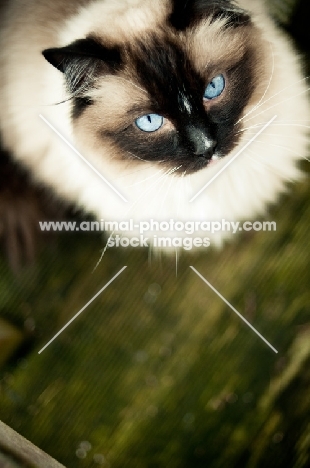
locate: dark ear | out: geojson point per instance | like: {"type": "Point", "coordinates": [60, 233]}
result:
{"type": "Point", "coordinates": [82, 61]}
{"type": "Point", "coordinates": [186, 13]}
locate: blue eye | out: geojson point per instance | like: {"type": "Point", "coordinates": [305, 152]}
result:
{"type": "Point", "coordinates": [150, 122]}
{"type": "Point", "coordinates": [215, 87]}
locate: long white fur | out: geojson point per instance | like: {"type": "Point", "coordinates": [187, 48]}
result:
{"type": "Point", "coordinates": [30, 86]}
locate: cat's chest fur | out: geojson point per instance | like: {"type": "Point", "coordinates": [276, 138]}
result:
{"type": "Point", "coordinates": [162, 96]}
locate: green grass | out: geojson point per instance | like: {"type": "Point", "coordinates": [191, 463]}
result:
{"type": "Point", "coordinates": [174, 379]}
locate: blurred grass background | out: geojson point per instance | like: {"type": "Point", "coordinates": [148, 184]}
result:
{"type": "Point", "coordinates": [158, 371]}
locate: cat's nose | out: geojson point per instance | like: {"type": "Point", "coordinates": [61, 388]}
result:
{"type": "Point", "coordinates": [200, 142]}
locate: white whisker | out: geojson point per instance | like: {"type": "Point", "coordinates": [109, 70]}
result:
{"type": "Point", "coordinates": [165, 196]}
{"type": "Point", "coordinates": [179, 191]}
{"type": "Point", "coordinates": [133, 84]}
{"type": "Point", "coordinates": [266, 90]}
{"type": "Point", "coordinates": [126, 213]}
{"type": "Point", "coordinates": [144, 180]}
{"type": "Point", "coordinates": [286, 148]}
{"type": "Point", "coordinates": [273, 96]}
{"type": "Point", "coordinates": [188, 182]}
{"type": "Point", "coordinates": [140, 159]}
{"type": "Point", "coordinates": [278, 103]}
{"type": "Point", "coordinates": [122, 176]}
{"type": "Point", "coordinates": [275, 125]}
{"type": "Point", "coordinates": [249, 128]}
{"type": "Point", "coordinates": [103, 251]}
{"type": "Point", "coordinates": [149, 257]}
{"type": "Point", "coordinates": [148, 189]}
{"type": "Point", "coordinates": [264, 164]}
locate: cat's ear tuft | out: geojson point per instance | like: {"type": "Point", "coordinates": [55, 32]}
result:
{"type": "Point", "coordinates": [82, 61]}
{"type": "Point", "coordinates": [187, 13]}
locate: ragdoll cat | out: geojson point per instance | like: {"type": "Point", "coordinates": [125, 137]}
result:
{"type": "Point", "coordinates": [158, 96]}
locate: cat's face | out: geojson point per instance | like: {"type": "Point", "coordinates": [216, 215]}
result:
{"type": "Point", "coordinates": [174, 93]}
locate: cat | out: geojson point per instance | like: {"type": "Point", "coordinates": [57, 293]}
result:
{"type": "Point", "coordinates": [158, 97]}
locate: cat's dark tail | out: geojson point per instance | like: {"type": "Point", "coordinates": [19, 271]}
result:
{"type": "Point", "coordinates": [22, 205]}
